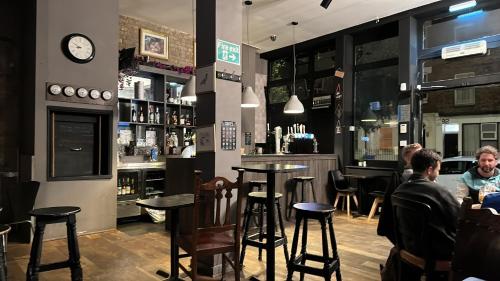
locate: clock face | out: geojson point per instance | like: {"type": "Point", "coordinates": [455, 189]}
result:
{"type": "Point", "coordinates": [69, 91]}
{"type": "Point", "coordinates": [107, 95]}
{"type": "Point", "coordinates": [82, 92]}
{"type": "Point", "coordinates": [78, 48]}
{"type": "Point", "coordinates": [95, 94]}
{"type": "Point", "coordinates": [55, 89]}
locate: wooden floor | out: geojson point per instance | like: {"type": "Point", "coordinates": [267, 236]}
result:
{"type": "Point", "coordinates": [135, 251]}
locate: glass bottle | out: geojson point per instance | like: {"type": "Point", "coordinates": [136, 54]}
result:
{"type": "Point", "coordinates": [157, 115]}
{"type": "Point", "coordinates": [174, 118]}
{"type": "Point", "coordinates": [151, 114]}
{"type": "Point", "coordinates": [119, 186]}
{"type": "Point", "coordinates": [132, 187]}
{"type": "Point", "coordinates": [134, 115]}
{"type": "Point", "coordinates": [141, 115]}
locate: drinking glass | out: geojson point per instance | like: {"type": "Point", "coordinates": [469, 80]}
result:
{"type": "Point", "coordinates": [485, 190]}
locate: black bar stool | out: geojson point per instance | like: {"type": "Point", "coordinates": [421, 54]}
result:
{"type": "Point", "coordinates": [52, 215]}
{"type": "Point", "coordinates": [323, 213]}
{"type": "Point", "coordinates": [4, 230]}
{"type": "Point", "coordinates": [303, 180]}
{"type": "Point", "coordinates": [251, 240]}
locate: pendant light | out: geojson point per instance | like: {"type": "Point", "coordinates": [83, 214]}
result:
{"type": "Point", "coordinates": [294, 106]}
{"type": "Point", "coordinates": [188, 92]}
{"type": "Point", "coordinates": [249, 99]}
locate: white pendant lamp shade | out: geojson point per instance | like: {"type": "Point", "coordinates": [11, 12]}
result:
{"type": "Point", "coordinates": [189, 92]}
{"type": "Point", "coordinates": [249, 99]}
{"type": "Point", "coordinates": [293, 106]}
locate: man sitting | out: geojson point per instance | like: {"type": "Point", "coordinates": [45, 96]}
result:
{"type": "Point", "coordinates": [445, 208]}
{"type": "Point", "coordinates": [478, 176]}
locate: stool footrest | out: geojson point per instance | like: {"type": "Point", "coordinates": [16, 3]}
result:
{"type": "Point", "coordinates": [250, 241]}
{"type": "Point", "coordinates": [297, 266]}
{"type": "Point", "coordinates": [53, 266]}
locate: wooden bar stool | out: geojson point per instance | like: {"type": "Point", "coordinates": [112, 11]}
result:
{"type": "Point", "coordinates": [52, 215]}
{"type": "Point", "coordinates": [4, 230]}
{"type": "Point", "coordinates": [379, 199]}
{"type": "Point", "coordinates": [259, 198]}
{"type": "Point", "coordinates": [331, 263]}
{"type": "Point", "coordinates": [303, 180]}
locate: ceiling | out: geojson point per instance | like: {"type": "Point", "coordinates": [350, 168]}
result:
{"type": "Point", "coordinates": [268, 17]}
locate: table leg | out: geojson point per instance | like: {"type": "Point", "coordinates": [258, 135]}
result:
{"type": "Point", "coordinates": [174, 248]}
{"type": "Point", "coordinates": [271, 177]}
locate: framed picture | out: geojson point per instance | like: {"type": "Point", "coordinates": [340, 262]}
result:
{"type": "Point", "coordinates": [205, 139]}
{"type": "Point", "coordinates": [153, 44]}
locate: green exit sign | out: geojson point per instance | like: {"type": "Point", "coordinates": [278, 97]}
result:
{"type": "Point", "coordinates": [228, 52]}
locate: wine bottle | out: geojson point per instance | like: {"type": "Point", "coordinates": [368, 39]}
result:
{"type": "Point", "coordinates": [157, 116]}
{"type": "Point", "coordinates": [151, 115]}
{"type": "Point", "coordinates": [141, 115]}
{"type": "Point", "coordinates": [134, 115]}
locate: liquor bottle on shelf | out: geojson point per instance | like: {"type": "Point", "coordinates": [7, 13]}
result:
{"type": "Point", "coordinates": [128, 186]}
{"type": "Point", "coordinates": [132, 187]}
{"type": "Point", "coordinates": [151, 115]}
{"type": "Point", "coordinates": [188, 120]}
{"type": "Point", "coordinates": [141, 115]}
{"type": "Point", "coordinates": [119, 191]}
{"type": "Point", "coordinates": [157, 115]}
{"type": "Point", "coordinates": [182, 120]}
{"type": "Point", "coordinates": [174, 118]}
{"type": "Point", "coordinates": [134, 115]}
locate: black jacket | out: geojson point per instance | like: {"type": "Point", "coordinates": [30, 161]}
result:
{"type": "Point", "coordinates": [445, 210]}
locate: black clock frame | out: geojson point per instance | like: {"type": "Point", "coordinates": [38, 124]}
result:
{"type": "Point", "coordinates": [67, 53]}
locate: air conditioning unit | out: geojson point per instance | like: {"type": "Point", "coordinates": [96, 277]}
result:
{"type": "Point", "coordinates": [466, 49]}
{"type": "Point", "coordinates": [489, 131]}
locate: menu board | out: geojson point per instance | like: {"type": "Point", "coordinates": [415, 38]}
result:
{"type": "Point", "coordinates": [228, 135]}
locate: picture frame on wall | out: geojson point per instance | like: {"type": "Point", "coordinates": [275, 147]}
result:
{"type": "Point", "coordinates": [205, 138]}
{"type": "Point", "coordinates": [153, 44]}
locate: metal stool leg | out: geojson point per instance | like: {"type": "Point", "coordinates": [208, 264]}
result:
{"type": "Point", "coordinates": [326, 255]}
{"type": "Point", "coordinates": [314, 192]}
{"type": "Point", "coordinates": [333, 241]}
{"type": "Point", "coordinates": [246, 226]}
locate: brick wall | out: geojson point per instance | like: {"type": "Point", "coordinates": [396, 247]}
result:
{"type": "Point", "coordinates": [180, 44]}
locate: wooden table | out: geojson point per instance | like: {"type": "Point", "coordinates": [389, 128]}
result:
{"type": "Point", "coordinates": [271, 170]}
{"type": "Point", "coordinates": [170, 203]}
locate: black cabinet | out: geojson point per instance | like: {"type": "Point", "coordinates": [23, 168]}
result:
{"type": "Point", "coordinates": [135, 184]}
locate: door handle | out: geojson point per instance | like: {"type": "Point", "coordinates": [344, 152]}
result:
{"type": "Point", "coordinates": [76, 149]}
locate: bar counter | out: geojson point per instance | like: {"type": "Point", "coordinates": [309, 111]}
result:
{"type": "Point", "coordinates": [319, 165]}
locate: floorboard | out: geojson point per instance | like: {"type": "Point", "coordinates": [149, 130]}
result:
{"type": "Point", "coordinates": [136, 250]}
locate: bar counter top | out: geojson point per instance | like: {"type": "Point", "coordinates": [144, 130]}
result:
{"type": "Point", "coordinates": [318, 167]}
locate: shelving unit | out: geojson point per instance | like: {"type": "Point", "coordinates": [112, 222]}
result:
{"type": "Point", "coordinates": [155, 109]}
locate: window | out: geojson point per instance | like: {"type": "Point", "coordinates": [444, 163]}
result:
{"type": "Point", "coordinates": [278, 94]}
{"type": "Point", "coordinates": [324, 59]}
{"type": "Point", "coordinates": [437, 69]}
{"type": "Point", "coordinates": [376, 99]}
{"type": "Point", "coordinates": [376, 51]}
{"type": "Point", "coordinates": [324, 86]}
{"type": "Point", "coordinates": [302, 65]}
{"type": "Point", "coordinates": [480, 24]}
{"type": "Point", "coordinates": [465, 96]}
{"type": "Point", "coordinates": [280, 69]}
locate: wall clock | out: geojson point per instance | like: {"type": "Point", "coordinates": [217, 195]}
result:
{"type": "Point", "coordinates": [78, 48]}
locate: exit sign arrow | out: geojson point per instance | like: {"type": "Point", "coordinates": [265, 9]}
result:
{"type": "Point", "coordinates": [228, 52]}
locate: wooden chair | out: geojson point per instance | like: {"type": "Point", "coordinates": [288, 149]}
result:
{"type": "Point", "coordinates": [413, 239]}
{"type": "Point", "coordinates": [210, 235]}
{"type": "Point", "coordinates": [343, 189]}
{"type": "Point", "coordinates": [477, 247]}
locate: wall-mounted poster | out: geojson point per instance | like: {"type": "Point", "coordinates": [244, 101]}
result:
{"type": "Point", "coordinates": [205, 139]}
{"type": "Point", "coordinates": [228, 135]}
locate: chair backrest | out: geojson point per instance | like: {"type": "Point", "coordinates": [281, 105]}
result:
{"type": "Point", "coordinates": [212, 199]}
{"type": "Point", "coordinates": [337, 179]}
{"type": "Point", "coordinates": [411, 228]}
{"type": "Point", "coordinates": [477, 247]}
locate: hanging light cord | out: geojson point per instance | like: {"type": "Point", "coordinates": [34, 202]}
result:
{"type": "Point", "coordinates": [194, 40]}
{"type": "Point", "coordinates": [294, 60]}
